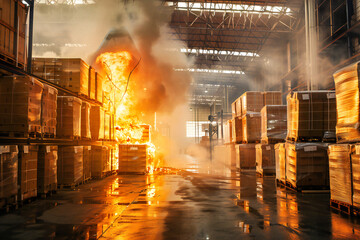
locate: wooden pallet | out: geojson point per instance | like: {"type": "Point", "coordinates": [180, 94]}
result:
{"type": "Point", "coordinates": [48, 135]}
{"type": "Point", "coordinates": [20, 134]}
{"type": "Point", "coordinates": [272, 141]}
{"type": "Point", "coordinates": [8, 204]}
{"type": "Point", "coordinates": [280, 183]}
{"type": "Point", "coordinates": [341, 206]}
{"type": "Point", "coordinates": [308, 189]}
{"type": "Point", "coordinates": [69, 137]}
{"type": "Point", "coordinates": [310, 139]}
{"type": "Point", "coordinates": [265, 174]}
{"type": "Point", "coordinates": [47, 194]}
{"type": "Point", "coordinates": [255, 142]}
{"type": "Point", "coordinates": [69, 186]}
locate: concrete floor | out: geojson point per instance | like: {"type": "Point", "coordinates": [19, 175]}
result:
{"type": "Point", "coordinates": [182, 206]}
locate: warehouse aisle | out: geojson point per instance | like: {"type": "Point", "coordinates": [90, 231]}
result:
{"type": "Point", "coordinates": [179, 206]}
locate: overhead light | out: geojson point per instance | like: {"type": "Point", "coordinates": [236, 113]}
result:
{"type": "Point", "coordinates": [202, 70]}
{"type": "Point", "coordinates": [206, 91]}
{"type": "Point", "coordinates": [221, 52]}
{"type": "Point", "coordinates": [229, 7]}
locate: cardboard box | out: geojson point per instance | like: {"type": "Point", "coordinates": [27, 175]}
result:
{"type": "Point", "coordinates": [251, 128]}
{"type": "Point", "coordinates": [280, 162]}
{"type": "Point", "coordinates": [272, 98]}
{"type": "Point", "coordinates": [237, 130]}
{"type": "Point", "coordinates": [87, 162]}
{"type": "Point", "coordinates": [311, 116]}
{"type": "Point", "coordinates": [340, 173]}
{"type": "Point", "coordinates": [27, 172]}
{"type": "Point", "coordinates": [228, 132]}
{"type": "Point", "coordinates": [133, 158]}
{"type": "Point", "coordinates": [265, 159]}
{"type": "Point", "coordinates": [68, 117]}
{"type": "Point", "coordinates": [20, 104]}
{"type": "Point", "coordinates": [92, 83]}
{"type": "Point", "coordinates": [99, 87]}
{"type": "Point", "coordinates": [307, 164]}
{"type": "Point", "coordinates": [85, 120]}
{"type": "Point", "coordinates": [273, 123]}
{"type": "Point", "coordinates": [49, 110]}
{"type": "Point", "coordinates": [347, 104]}
{"type": "Point", "coordinates": [47, 169]}
{"type": "Point", "coordinates": [100, 161]}
{"type": "Point", "coordinates": [97, 122]}
{"type": "Point", "coordinates": [70, 165]}
{"type": "Point", "coordinates": [355, 163]}
{"type": "Point", "coordinates": [245, 156]}
{"type": "Point", "coordinates": [9, 172]}
{"type": "Point", "coordinates": [251, 102]}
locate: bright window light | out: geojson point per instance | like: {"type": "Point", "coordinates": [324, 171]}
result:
{"type": "Point", "coordinates": [66, 2]}
{"type": "Point", "coordinates": [205, 51]}
{"type": "Point", "coordinates": [195, 129]}
{"type": "Point", "coordinates": [202, 70]}
{"type": "Point", "coordinates": [228, 7]}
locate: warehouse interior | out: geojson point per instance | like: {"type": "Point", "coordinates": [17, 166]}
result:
{"type": "Point", "coordinates": [191, 119]}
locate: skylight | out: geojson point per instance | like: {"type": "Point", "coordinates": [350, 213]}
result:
{"type": "Point", "coordinates": [222, 52]}
{"type": "Point", "coordinates": [216, 71]}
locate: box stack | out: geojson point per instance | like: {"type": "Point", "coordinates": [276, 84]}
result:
{"type": "Point", "coordinates": [70, 165]}
{"type": "Point", "coordinates": [48, 111]}
{"type": "Point", "coordinates": [245, 156]}
{"type": "Point", "coordinates": [344, 156]}
{"type": "Point", "coordinates": [99, 87]}
{"type": "Point", "coordinates": [47, 169]}
{"type": "Point", "coordinates": [68, 117]}
{"type": "Point", "coordinates": [133, 158]}
{"type": "Point", "coordinates": [92, 83]}
{"type": "Point", "coordinates": [97, 122]}
{"type": "Point", "coordinates": [8, 175]}
{"type": "Point", "coordinates": [311, 122]}
{"type": "Point", "coordinates": [280, 162]}
{"type": "Point", "coordinates": [85, 120]}
{"type": "Point", "coordinates": [20, 114]}
{"type": "Point", "coordinates": [27, 172]}
{"type": "Point", "coordinates": [100, 161]}
{"type": "Point", "coordinates": [228, 132]}
{"type": "Point", "coordinates": [87, 163]}
{"type": "Point", "coordinates": [265, 159]}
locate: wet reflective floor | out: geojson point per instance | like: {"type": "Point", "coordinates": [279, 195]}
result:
{"type": "Point", "coordinates": [180, 206]}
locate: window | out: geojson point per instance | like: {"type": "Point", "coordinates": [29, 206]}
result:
{"type": "Point", "coordinates": [195, 129]}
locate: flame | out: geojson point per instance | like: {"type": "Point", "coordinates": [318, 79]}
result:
{"type": "Point", "coordinates": [122, 99]}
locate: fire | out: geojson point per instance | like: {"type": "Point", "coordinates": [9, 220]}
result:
{"type": "Point", "coordinates": [122, 101]}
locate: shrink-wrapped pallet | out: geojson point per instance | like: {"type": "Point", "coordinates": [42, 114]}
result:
{"type": "Point", "coordinates": [28, 160]}
{"type": "Point", "coordinates": [265, 159]}
{"type": "Point", "coordinates": [100, 161]}
{"type": "Point", "coordinates": [348, 104]}
{"type": "Point", "coordinates": [85, 120]}
{"type": "Point", "coordinates": [48, 111]}
{"type": "Point", "coordinates": [280, 162]}
{"type": "Point", "coordinates": [233, 109]}
{"type": "Point", "coordinates": [133, 158]}
{"type": "Point", "coordinates": [272, 98]}
{"type": "Point", "coordinates": [70, 165]}
{"type": "Point", "coordinates": [99, 87]}
{"type": "Point", "coordinates": [8, 173]}
{"type": "Point", "coordinates": [251, 128]}
{"type": "Point", "coordinates": [245, 156]}
{"type": "Point", "coordinates": [237, 130]}
{"type": "Point", "coordinates": [311, 116]}
{"type": "Point", "coordinates": [273, 123]}
{"type": "Point", "coordinates": [307, 165]}
{"type": "Point", "coordinates": [355, 162]}
{"type": "Point", "coordinates": [228, 132]}
{"type": "Point", "coordinates": [238, 107]}
{"type": "Point", "coordinates": [251, 102]}
{"type": "Point", "coordinates": [106, 125]}
{"type": "Point", "coordinates": [20, 105]}
{"type": "Point", "coordinates": [70, 73]}
{"type": "Point", "coordinates": [92, 83]}
{"type": "Point", "coordinates": [97, 122]}
{"type": "Point", "coordinates": [47, 169]}
{"type": "Point", "coordinates": [87, 162]}
{"type": "Point", "coordinates": [68, 117]}
{"type": "Point", "coordinates": [340, 173]}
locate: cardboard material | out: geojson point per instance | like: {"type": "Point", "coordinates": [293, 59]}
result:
{"type": "Point", "coordinates": [9, 171]}
{"type": "Point", "coordinates": [133, 158]}
{"type": "Point", "coordinates": [49, 110]}
{"type": "Point", "coordinates": [100, 161]}
{"type": "Point", "coordinates": [245, 156]}
{"type": "Point", "coordinates": [265, 158]}
{"type": "Point", "coordinates": [97, 122]}
{"type": "Point", "coordinates": [251, 128]}
{"type": "Point", "coordinates": [47, 169]}
{"type": "Point", "coordinates": [87, 162]}
{"type": "Point", "coordinates": [27, 172]}
{"type": "Point", "coordinates": [70, 165]}
{"type": "Point", "coordinates": [99, 87]}
{"type": "Point", "coordinates": [280, 162]}
{"type": "Point", "coordinates": [68, 117]}
{"type": "Point", "coordinates": [272, 98]}
{"type": "Point", "coordinates": [85, 120]}
{"type": "Point", "coordinates": [237, 130]}
{"type": "Point", "coordinates": [273, 123]}
{"type": "Point", "coordinates": [251, 102]}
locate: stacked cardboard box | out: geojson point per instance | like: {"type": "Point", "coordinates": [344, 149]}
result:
{"type": "Point", "coordinates": [100, 161]}
{"type": "Point", "coordinates": [70, 165]}
{"type": "Point", "coordinates": [68, 117]}
{"type": "Point", "coordinates": [99, 87]}
{"type": "Point", "coordinates": [251, 102]}
{"type": "Point", "coordinates": [272, 98]}
{"type": "Point", "coordinates": [70, 73]}
{"type": "Point", "coordinates": [307, 165]}
{"type": "Point", "coordinates": [355, 165]}
{"type": "Point", "coordinates": [8, 174]}
{"type": "Point", "coordinates": [228, 132]}
{"type": "Point", "coordinates": [28, 158]}
{"type": "Point", "coordinates": [133, 158]}
{"type": "Point", "coordinates": [20, 98]}
{"type": "Point", "coordinates": [48, 111]}
{"type": "Point", "coordinates": [92, 83]}
{"type": "Point", "coordinates": [265, 159]}
{"type": "Point", "coordinates": [251, 128]}
{"type": "Point", "coordinates": [311, 116]}
{"type": "Point", "coordinates": [237, 130]}
{"type": "Point", "coordinates": [87, 162]}
{"type": "Point", "coordinates": [245, 156]}
{"type": "Point", "coordinates": [47, 169]}
{"type": "Point", "coordinates": [97, 122]}
{"type": "Point", "coordinates": [273, 124]}
{"type": "Point", "coordinates": [85, 120]}
{"type": "Point", "coordinates": [280, 162]}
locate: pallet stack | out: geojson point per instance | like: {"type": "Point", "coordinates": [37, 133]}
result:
{"type": "Point", "coordinates": [344, 156]}
{"type": "Point", "coordinates": [85, 120]}
{"type": "Point", "coordinates": [246, 129]}
{"type": "Point", "coordinates": [70, 166]}
{"type": "Point", "coordinates": [27, 172]}
{"type": "Point", "coordinates": [47, 170]}
{"type": "Point", "coordinates": [133, 158]}
{"type": "Point", "coordinates": [8, 175]}
{"type": "Point", "coordinates": [48, 111]}
{"type": "Point", "coordinates": [311, 118]}
{"type": "Point", "coordinates": [69, 117]}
